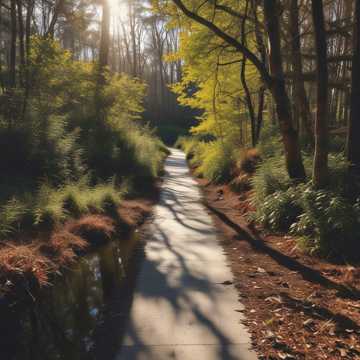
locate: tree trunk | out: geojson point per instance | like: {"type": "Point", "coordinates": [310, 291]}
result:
{"type": "Point", "coordinates": [290, 139]}
{"type": "Point", "coordinates": [29, 12]}
{"type": "Point", "coordinates": [2, 84]}
{"type": "Point", "coordinates": [320, 171]}
{"type": "Point", "coordinates": [12, 69]}
{"type": "Point", "coordinates": [301, 100]}
{"type": "Point", "coordinates": [101, 70]}
{"type": "Point", "coordinates": [353, 143]}
{"type": "Point", "coordinates": [249, 103]}
{"type": "Point", "coordinates": [105, 36]}
{"type": "Point", "coordinates": [259, 120]}
{"type": "Point", "coordinates": [21, 41]}
{"type": "Point", "coordinates": [244, 82]}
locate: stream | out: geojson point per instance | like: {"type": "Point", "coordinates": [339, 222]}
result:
{"type": "Point", "coordinates": [73, 318]}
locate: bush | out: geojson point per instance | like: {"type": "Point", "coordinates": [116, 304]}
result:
{"type": "Point", "coordinates": [270, 177]}
{"type": "Point", "coordinates": [324, 220]}
{"type": "Point", "coordinates": [279, 210]}
{"type": "Point", "coordinates": [249, 160]}
{"type": "Point", "coordinates": [188, 144]}
{"type": "Point", "coordinates": [52, 205]}
{"type": "Point", "coordinates": [59, 137]}
{"type": "Point", "coordinates": [329, 224]}
{"type": "Point", "coordinates": [216, 161]}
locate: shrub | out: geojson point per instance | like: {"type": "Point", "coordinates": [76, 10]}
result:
{"type": "Point", "coordinates": [249, 160]}
{"type": "Point", "coordinates": [329, 224]}
{"type": "Point", "coordinates": [270, 177]}
{"type": "Point", "coordinates": [241, 183]}
{"type": "Point", "coordinates": [279, 210]}
{"type": "Point", "coordinates": [215, 161]}
{"type": "Point", "coordinates": [11, 215]}
{"type": "Point", "coordinates": [325, 221]}
{"type": "Point", "coordinates": [53, 205]}
{"type": "Point", "coordinates": [188, 144]}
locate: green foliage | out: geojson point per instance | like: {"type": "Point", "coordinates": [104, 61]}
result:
{"type": "Point", "coordinates": [188, 144]}
{"type": "Point", "coordinates": [329, 224]}
{"type": "Point", "coordinates": [215, 160]}
{"type": "Point", "coordinates": [10, 214]}
{"type": "Point", "coordinates": [279, 210]}
{"type": "Point", "coordinates": [325, 221]}
{"type": "Point", "coordinates": [270, 176]}
{"type": "Point", "coordinates": [58, 135]}
{"type": "Point", "coordinates": [53, 205]}
{"type": "Point", "coordinates": [212, 159]}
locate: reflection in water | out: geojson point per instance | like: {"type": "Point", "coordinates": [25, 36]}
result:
{"type": "Point", "coordinates": [66, 319]}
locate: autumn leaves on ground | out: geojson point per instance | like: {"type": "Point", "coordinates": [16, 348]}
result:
{"type": "Point", "coordinates": [264, 99]}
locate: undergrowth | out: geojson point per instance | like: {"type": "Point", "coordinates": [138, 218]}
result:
{"type": "Point", "coordinates": [325, 222]}
{"type": "Point", "coordinates": [51, 205]}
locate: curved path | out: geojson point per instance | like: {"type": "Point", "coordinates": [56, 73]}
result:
{"type": "Point", "coordinates": [185, 306]}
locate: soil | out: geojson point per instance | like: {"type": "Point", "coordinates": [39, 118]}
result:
{"type": "Point", "coordinates": [296, 306]}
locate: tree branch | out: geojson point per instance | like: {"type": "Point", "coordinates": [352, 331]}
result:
{"type": "Point", "coordinates": [249, 55]}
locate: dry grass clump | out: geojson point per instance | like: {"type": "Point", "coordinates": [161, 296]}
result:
{"type": "Point", "coordinates": [249, 160]}
{"type": "Point", "coordinates": [25, 262]}
{"type": "Point", "coordinates": [94, 228]}
{"type": "Point", "coordinates": [50, 250]}
{"type": "Point", "coordinates": [63, 246]}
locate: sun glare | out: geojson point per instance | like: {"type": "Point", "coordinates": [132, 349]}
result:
{"type": "Point", "coordinates": [118, 10]}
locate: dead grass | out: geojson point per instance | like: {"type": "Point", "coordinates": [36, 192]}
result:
{"type": "Point", "coordinates": [64, 246]}
{"type": "Point", "coordinates": [94, 228]}
{"type": "Point", "coordinates": [24, 262]}
{"type": "Point", "coordinates": [249, 161]}
{"type": "Point", "coordinates": [32, 258]}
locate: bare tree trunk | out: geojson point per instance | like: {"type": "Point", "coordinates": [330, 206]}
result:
{"type": "Point", "coordinates": [105, 36]}
{"type": "Point", "coordinates": [29, 12]}
{"type": "Point", "coordinates": [21, 41]}
{"type": "Point", "coordinates": [243, 79]}
{"type": "Point", "coordinates": [12, 67]}
{"type": "Point", "coordinates": [2, 84]}
{"type": "Point", "coordinates": [249, 103]}
{"type": "Point", "coordinates": [259, 120]}
{"type": "Point", "coordinates": [353, 143]}
{"type": "Point", "coordinates": [101, 70]}
{"type": "Point", "coordinates": [320, 171]}
{"type": "Point", "coordinates": [301, 100]}
{"type": "Point", "coordinates": [293, 158]}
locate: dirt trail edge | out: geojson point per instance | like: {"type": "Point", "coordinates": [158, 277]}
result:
{"type": "Point", "coordinates": [185, 305]}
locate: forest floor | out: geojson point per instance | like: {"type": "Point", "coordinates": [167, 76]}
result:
{"type": "Point", "coordinates": [296, 306]}
{"type": "Point", "coordinates": [32, 259]}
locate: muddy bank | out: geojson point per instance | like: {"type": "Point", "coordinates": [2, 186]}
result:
{"type": "Point", "coordinates": [32, 260]}
{"type": "Point", "coordinates": [296, 306]}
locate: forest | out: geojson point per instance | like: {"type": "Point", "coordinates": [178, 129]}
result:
{"type": "Point", "coordinates": [278, 95]}
{"type": "Point", "coordinates": [262, 96]}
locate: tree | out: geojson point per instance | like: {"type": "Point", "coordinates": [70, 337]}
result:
{"type": "Point", "coordinates": [12, 67]}
{"type": "Point", "coordinates": [353, 144]}
{"type": "Point", "coordinates": [274, 80]}
{"type": "Point", "coordinates": [320, 171]}
{"type": "Point", "coordinates": [301, 100]}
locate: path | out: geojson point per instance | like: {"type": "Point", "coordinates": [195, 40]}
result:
{"type": "Point", "coordinates": [182, 308]}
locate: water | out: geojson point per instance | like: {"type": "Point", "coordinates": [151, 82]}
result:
{"type": "Point", "coordinates": [82, 316]}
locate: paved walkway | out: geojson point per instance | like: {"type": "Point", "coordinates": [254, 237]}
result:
{"type": "Point", "coordinates": [182, 308]}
